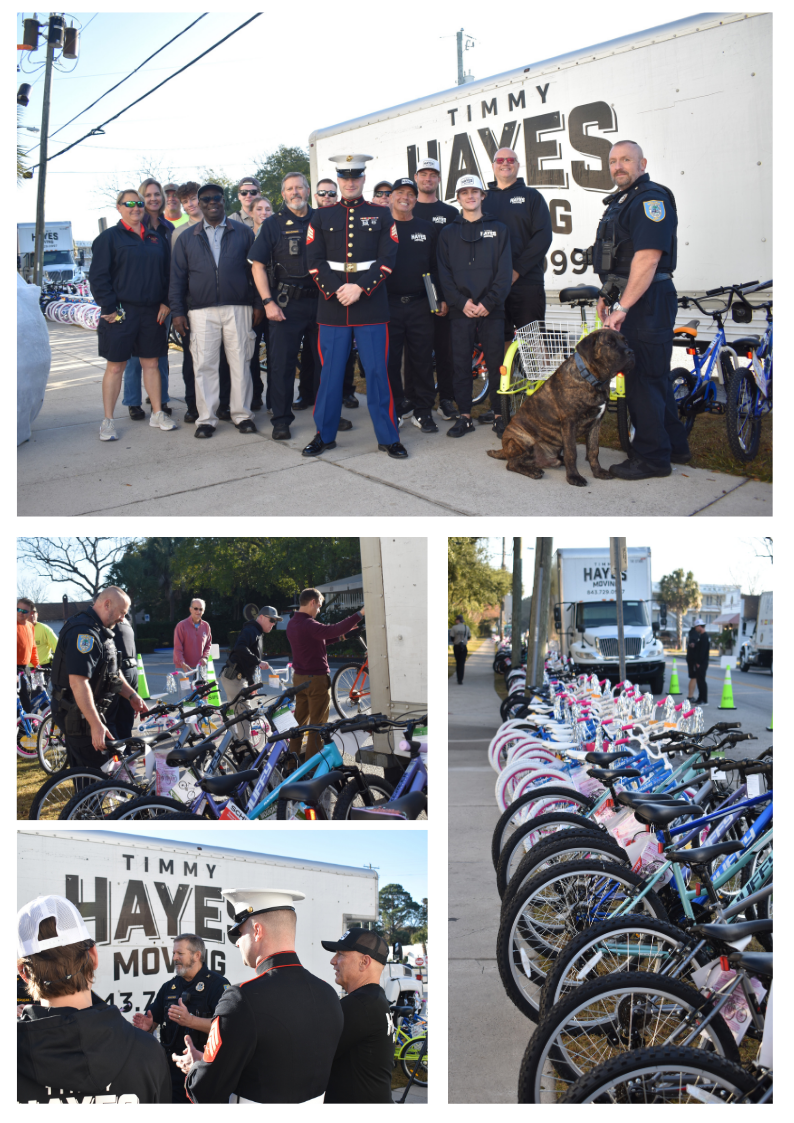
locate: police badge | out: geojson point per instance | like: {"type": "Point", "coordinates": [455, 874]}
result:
{"type": "Point", "coordinates": [654, 209]}
{"type": "Point", "coordinates": [84, 644]}
{"type": "Point", "coordinates": [623, 198]}
{"type": "Point", "coordinates": [199, 986]}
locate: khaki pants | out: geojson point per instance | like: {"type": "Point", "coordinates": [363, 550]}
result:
{"type": "Point", "coordinates": [233, 688]}
{"type": "Point", "coordinates": [208, 326]}
{"type": "Point", "coordinates": [312, 707]}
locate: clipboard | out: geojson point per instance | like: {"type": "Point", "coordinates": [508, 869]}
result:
{"type": "Point", "coordinates": [432, 292]}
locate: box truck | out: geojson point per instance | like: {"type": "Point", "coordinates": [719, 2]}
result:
{"type": "Point", "coordinates": [757, 652]}
{"type": "Point", "coordinates": [675, 89]}
{"type": "Point", "coordinates": [59, 257]}
{"type": "Point", "coordinates": [584, 609]}
{"type": "Point", "coordinates": [137, 893]}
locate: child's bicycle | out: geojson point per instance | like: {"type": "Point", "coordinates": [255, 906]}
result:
{"type": "Point", "coordinates": [410, 1044]}
{"type": "Point", "coordinates": [350, 687]}
{"type": "Point", "coordinates": [750, 390]}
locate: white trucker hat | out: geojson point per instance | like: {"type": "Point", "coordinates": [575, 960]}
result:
{"type": "Point", "coordinates": [70, 926]}
{"type": "Point", "coordinates": [468, 181]}
{"type": "Point", "coordinates": [428, 166]}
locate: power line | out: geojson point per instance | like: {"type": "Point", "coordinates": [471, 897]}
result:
{"type": "Point", "coordinates": [98, 130]}
{"type": "Point", "coordinates": [123, 80]}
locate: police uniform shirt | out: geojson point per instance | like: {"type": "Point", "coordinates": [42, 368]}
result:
{"type": "Point", "coordinates": [416, 254]}
{"type": "Point", "coordinates": [201, 996]}
{"type": "Point", "coordinates": [273, 1038]}
{"type": "Point", "coordinates": [282, 241]}
{"type": "Point", "coordinates": [362, 1068]}
{"type": "Point", "coordinates": [86, 648]}
{"type": "Point", "coordinates": [124, 637]}
{"type": "Point", "coordinates": [348, 233]}
{"type": "Point", "coordinates": [440, 214]}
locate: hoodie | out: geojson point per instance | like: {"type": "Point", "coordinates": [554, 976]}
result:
{"type": "Point", "coordinates": [526, 214]}
{"type": "Point", "coordinates": [474, 263]}
{"type": "Point", "coordinates": [65, 1055]}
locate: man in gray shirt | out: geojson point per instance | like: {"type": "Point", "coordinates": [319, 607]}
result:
{"type": "Point", "coordinates": [460, 636]}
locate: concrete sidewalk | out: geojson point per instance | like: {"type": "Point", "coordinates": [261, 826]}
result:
{"type": "Point", "coordinates": [487, 1034]}
{"type": "Point", "coordinates": [65, 470]}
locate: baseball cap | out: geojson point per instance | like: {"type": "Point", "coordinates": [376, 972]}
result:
{"type": "Point", "coordinates": [250, 902]}
{"type": "Point", "coordinates": [70, 926]}
{"type": "Point", "coordinates": [698, 623]}
{"type": "Point", "coordinates": [249, 179]}
{"type": "Point", "coordinates": [215, 186]}
{"type": "Point", "coordinates": [270, 612]}
{"type": "Point", "coordinates": [363, 940]}
{"type": "Point", "coordinates": [405, 182]}
{"type": "Point", "coordinates": [171, 187]}
{"type": "Point", "coordinates": [468, 181]}
{"type": "Point", "coordinates": [382, 183]}
{"type": "Point", "coordinates": [428, 166]}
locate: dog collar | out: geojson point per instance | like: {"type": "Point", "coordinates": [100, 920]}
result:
{"type": "Point", "coordinates": [585, 373]}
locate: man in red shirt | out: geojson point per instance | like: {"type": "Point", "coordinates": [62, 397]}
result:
{"type": "Point", "coordinates": [26, 649]}
{"type": "Point", "coordinates": [192, 638]}
{"type": "Point", "coordinates": [308, 639]}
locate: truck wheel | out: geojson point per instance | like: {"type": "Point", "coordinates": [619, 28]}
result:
{"type": "Point", "coordinates": [744, 666]}
{"type": "Point", "coordinates": [657, 683]}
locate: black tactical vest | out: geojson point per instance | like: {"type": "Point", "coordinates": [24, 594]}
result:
{"type": "Point", "coordinates": [104, 682]}
{"type": "Point", "coordinates": [613, 248]}
{"type": "Point", "coordinates": [289, 254]}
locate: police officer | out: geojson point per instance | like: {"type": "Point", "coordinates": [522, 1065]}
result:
{"type": "Point", "coordinates": [246, 656]}
{"type": "Point", "coordinates": [634, 255]}
{"type": "Point", "coordinates": [274, 1037]}
{"type": "Point", "coordinates": [278, 263]}
{"type": "Point", "coordinates": [184, 1004]}
{"type": "Point", "coordinates": [351, 249]}
{"type": "Point", "coordinates": [120, 716]}
{"type": "Point", "coordinates": [85, 676]}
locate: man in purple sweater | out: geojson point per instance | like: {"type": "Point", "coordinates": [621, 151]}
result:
{"type": "Point", "coordinates": [192, 638]}
{"type": "Point", "coordinates": [308, 639]}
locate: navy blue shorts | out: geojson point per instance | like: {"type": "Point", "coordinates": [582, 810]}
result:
{"type": "Point", "coordinates": [138, 336]}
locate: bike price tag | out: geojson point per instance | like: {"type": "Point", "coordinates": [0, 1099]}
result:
{"type": "Point", "coordinates": [232, 811]}
{"type": "Point", "coordinates": [284, 719]}
{"type": "Point", "coordinates": [186, 790]}
{"type": "Point", "coordinates": [754, 784]}
{"type": "Point", "coordinates": [273, 681]}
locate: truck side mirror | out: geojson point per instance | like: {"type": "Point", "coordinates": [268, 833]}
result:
{"type": "Point", "coordinates": [82, 257]}
{"type": "Point", "coordinates": [655, 627]}
{"type": "Point", "coordinates": [557, 617]}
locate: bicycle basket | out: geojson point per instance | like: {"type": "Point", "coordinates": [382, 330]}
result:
{"type": "Point", "coordinates": [545, 344]}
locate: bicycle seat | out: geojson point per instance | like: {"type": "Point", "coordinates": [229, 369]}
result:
{"type": "Point", "coordinates": [223, 785]}
{"type": "Point", "coordinates": [728, 933]}
{"type": "Point", "coordinates": [690, 328]}
{"type": "Point", "coordinates": [610, 774]}
{"type": "Point", "coordinates": [665, 813]}
{"type": "Point", "coordinates": [745, 343]}
{"type": "Point", "coordinates": [406, 807]}
{"type": "Point", "coordinates": [309, 791]}
{"type": "Point", "coordinates": [704, 854]}
{"type": "Point", "coordinates": [604, 758]}
{"type": "Point", "coordinates": [754, 962]}
{"type": "Point", "coordinates": [185, 754]}
{"type": "Point", "coordinates": [578, 292]}
{"type": "Point", "coordinates": [638, 799]}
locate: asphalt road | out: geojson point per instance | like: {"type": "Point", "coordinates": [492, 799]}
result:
{"type": "Point", "coordinates": [752, 697]}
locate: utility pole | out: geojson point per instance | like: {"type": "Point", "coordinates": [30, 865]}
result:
{"type": "Point", "coordinates": [517, 591]}
{"type": "Point", "coordinates": [539, 612]}
{"type": "Point", "coordinates": [464, 42]}
{"type": "Point", "coordinates": [501, 602]}
{"type": "Point", "coordinates": [38, 270]}
{"type": "Point", "coordinates": [618, 561]}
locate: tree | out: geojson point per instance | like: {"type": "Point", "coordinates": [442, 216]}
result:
{"type": "Point", "coordinates": [148, 168]}
{"type": "Point", "coordinates": [473, 583]}
{"type": "Point", "coordinates": [400, 915]}
{"type": "Point", "coordinates": [85, 562]}
{"type": "Point", "coordinates": [680, 593]}
{"type": "Point", "coordinates": [146, 573]}
{"type": "Point", "coordinates": [272, 169]}
{"type": "Point", "coordinates": [34, 589]}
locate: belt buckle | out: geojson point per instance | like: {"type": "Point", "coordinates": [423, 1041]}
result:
{"type": "Point", "coordinates": [351, 267]}
{"type": "Point", "coordinates": [405, 299]}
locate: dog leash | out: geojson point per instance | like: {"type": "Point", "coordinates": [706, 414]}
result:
{"type": "Point", "coordinates": [585, 373]}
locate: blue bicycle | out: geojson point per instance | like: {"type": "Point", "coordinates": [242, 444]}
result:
{"type": "Point", "coordinates": [29, 724]}
{"type": "Point", "coordinates": [750, 389]}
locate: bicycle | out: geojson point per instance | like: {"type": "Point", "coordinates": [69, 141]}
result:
{"type": "Point", "coordinates": [29, 724]}
{"type": "Point", "coordinates": [410, 1049]}
{"type": "Point", "coordinates": [750, 390]}
{"type": "Point", "coordinates": [350, 687]}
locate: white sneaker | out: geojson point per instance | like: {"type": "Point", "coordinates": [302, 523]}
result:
{"type": "Point", "coordinates": [161, 420]}
{"type": "Point", "coordinates": [107, 430]}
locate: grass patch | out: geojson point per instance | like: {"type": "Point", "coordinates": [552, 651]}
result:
{"type": "Point", "coordinates": [30, 777]}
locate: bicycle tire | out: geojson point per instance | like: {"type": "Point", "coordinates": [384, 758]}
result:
{"type": "Point", "coordinates": [613, 1013]}
{"type": "Point", "coordinates": [410, 1060]}
{"type": "Point", "coordinates": [518, 813]}
{"type": "Point", "coordinates": [684, 382]}
{"type": "Point", "coordinates": [625, 427]}
{"type": "Point", "coordinates": [633, 1078]}
{"type": "Point", "coordinates": [98, 800]}
{"type": "Point", "coordinates": [744, 426]}
{"type": "Point", "coordinates": [547, 932]}
{"type": "Point", "coordinates": [342, 684]}
{"type": "Point", "coordinates": [55, 792]}
{"type": "Point", "coordinates": [350, 793]}
{"type": "Point", "coordinates": [27, 741]}
{"type": "Point", "coordinates": [148, 807]}
{"type": "Point", "coordinates": [567, 845]}
{"type": "Point", "coordinates": [599, 949]}
{"type": "Point", "coordinates": [51, 747]}
{"type": "Point", "coordinates": [545, 826]}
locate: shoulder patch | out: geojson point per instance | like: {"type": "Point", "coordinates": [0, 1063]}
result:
{"type": "Point", "coordinates": [393, 233]}
{"type": "Point", "coordinates": [654, 209]}
{"type": "Point", "coordinates": [213, 1041]}
{"type": "Point", "coordinates": [84, 644]}
{"type": "Point", "coordinates": [309, 235]}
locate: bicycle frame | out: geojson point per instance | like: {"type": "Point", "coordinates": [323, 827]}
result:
{"type": "Point", "coordinates": [528, 386]}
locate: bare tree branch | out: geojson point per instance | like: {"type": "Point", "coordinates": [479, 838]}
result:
{"type": "Point", "coordinates": [83, 562]}
{"type": "Point", "coordinates": [33, 589]}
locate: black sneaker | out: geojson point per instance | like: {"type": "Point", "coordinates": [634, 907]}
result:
{"type": "Point", "coordinates": [351, 402]}
{"type": "Point", "coordinates": [247, 426]}
{"type": "Point", "coordinates": [137, 414]}
{"type": "Point", "coordinates": [461, 427]}
{"type": "Point", "coordinates": [487, 418]}
{"type": "Point", "coordinates": [405, 409]}
{"type": "Point", "coordinates": [499, 426]}
{"type": "Point", "coordinates": [317, 446]}
{"type": "Point", "coordinates": [256, 405]}
{"type": "Point", "coordinates": [424, 422]}
{"type": "Point", "coordinates": [281, 432]}
{"type": "Point", "coordinates": [301, 403]}
{"type": "Point", "coordinates": [638, 469]}
{"type": "Point", "coordinates": [166, 409]}
{"type": "Point", "coordinates": [446, 409]}
{"type": "Point", "coordinates": [344, 425]}
{"type": "Point", "coordinates": [680, 457]}
{"type": "Point", "coordinates": [223, 413]}
{"type": "Point", "coordinates": [204, 431]}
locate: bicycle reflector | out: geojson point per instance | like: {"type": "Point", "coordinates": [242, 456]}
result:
{"type": "Point", "coordinates": [724, 963]}
{"type": "Point", "coordinates": [741, 313]}
{"type": "Point", "coordinates": [310, 813]}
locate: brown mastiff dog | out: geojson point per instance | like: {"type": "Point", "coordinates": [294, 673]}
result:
{"type": "Point", "coordinates": [569, 405]}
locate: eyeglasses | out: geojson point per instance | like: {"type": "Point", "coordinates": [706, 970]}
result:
{"type": "Point", "coordinates": [24, 611]}
{"type": "Point", "coordinates": [323, 194]}
{"type": "Point", "coordinates": [382, 194]}
{"type": "Point", "coordinates": [254, 192]}
{"type": "Point", "coordinates": [130, 205]}
{"type": "Point", "coordinates": [210, 199]}
{"type": "Point", "coordinates": [505, 160]}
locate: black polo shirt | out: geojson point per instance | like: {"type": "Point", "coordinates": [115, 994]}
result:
{"type": "Point", "coordinates": [362, 1068]}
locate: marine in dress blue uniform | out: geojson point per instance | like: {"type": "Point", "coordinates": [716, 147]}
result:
{"type": "Point", "coordinates": [353, 243]}
{"type": "Point", "coordinates": [641, 215]}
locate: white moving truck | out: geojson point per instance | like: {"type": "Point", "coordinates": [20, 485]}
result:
{"type": "Point", "coordinates": [137, 893]}
{"type": "Point", "coordinates": [757, 652]}
{"type": "Point", "coordinates": [59, 260]}
{"type": "Point", "coordinates": [675, 89]}
{"type": "Point", "coordinates": [585, 615]}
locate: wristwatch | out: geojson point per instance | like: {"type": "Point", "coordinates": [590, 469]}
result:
{"type": "Point", "coordinates": [618, 307]}
{"type": "Point", "coordinates": [268, 300]}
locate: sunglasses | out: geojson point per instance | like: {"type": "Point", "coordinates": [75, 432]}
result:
{"type": "Point", "coordinates": [210, 199]}
{"type": "Point", "coordinates": [382, 194]}
{"type": "Point", "coordinates": [505, 160]}
{"type": "Point", "coordinates": [24, 611]}
{"type": "Point", "coordinates": [254, 192]}
{"type": "Point", "coordinates": [132, 206]}
{"type": "Point", "coordinates": [323, 194]}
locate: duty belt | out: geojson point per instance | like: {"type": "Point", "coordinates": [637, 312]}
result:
{"type": "Point", "coordinates": [623, 281]}
{"type": "Point", "coordinates": [296, 292]}
{"type": "Point", "coordinates": [412, 297]}
{"type": "Point", "coordinates": [350, 266]}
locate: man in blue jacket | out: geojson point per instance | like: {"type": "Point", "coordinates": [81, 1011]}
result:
{"type": "Point", "coordinates": [211, 286]}
{"type": "Point", "coordinates": [474, 268]}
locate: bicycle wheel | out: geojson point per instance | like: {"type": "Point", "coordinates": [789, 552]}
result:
{"type": "Point", "coordinates": [27, 737]}
{"type": "Point", "coordinates": [743, 420]}
{"type": "Point", "coordinates": [684, 382]}
{"type": "Point", "coordinates": [610, 1016]}
{"type": "Point", "coordinates": [564, 846]}
{"type": "Point", "coordinates": [294, 809]}
{"type": "Point", "coordinates": [558, 797]}
{"type": "Point", "coordinates": [350, 691]}
{"type": "Point", "coordinates": [521, 841]}
{"type": "Point", "coordinates": [663, 1075]}
{"type": "Point", "coordinates": [99, 801]}
{"type": "Point", "coordinates": [53, 795]}
{"type": "Point", "coordinates": [148, 807]}
{"type": "Point", "coordinates": [350, 796]}
{"type": "Point", "coordinates": [51, 747]}
{"type": "Point", "coordinates": [555, 905]}
{"type": "Point", "coordinates": [511, 403]}
{"type": "Point", "coordinates": [413, 1060]}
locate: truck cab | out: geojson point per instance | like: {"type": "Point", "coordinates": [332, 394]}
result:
{"type": "Point", "coordinates": [400, 985]}
{"type": "Point", "coordinates": [593, 641]}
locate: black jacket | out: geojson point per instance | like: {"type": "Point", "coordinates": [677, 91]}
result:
{"type": "Point", "coordinates": [525, 213]}
{"type": "Point", "coordinates": [128, 269]}
{"type": "Point", "coordinates": [87, 1056]}
{"type": "Point", "coordinates": [246, 654]}
{"type": "Point", "coordinates": [474, 262]}
{"type": "Point", "coordinates": [698, 652]}
{"type": "Point", "coordinates": [197, 283]}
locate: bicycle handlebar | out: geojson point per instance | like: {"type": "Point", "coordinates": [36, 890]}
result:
{"type": "Point", "coordinates": [730, 288]}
